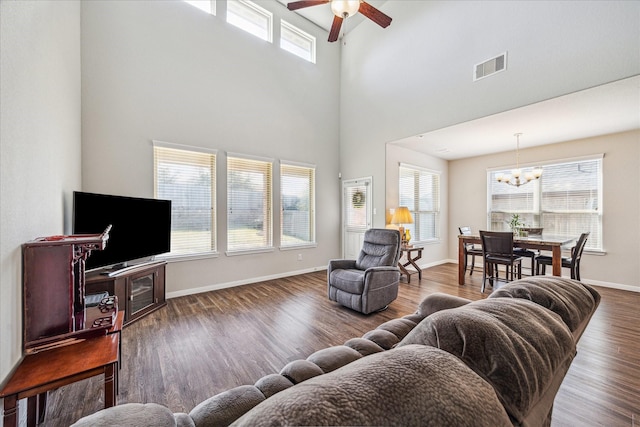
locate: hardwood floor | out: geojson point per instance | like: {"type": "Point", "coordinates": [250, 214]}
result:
{"type": "Point", "coordinates": [203, 344]}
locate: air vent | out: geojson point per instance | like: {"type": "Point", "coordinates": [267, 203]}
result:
{"type": "Point", "coordinates": [489, 67]}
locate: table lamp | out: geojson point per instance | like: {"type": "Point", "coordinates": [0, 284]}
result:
{"type": "Point", "coordinates": [402, 216]}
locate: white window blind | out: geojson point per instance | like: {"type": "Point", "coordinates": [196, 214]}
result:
{"type": "Point", "coordinates": [251, 18]}
{"type": "Point", "coordinates": [187, 178]}
{"type": "Point", "coordinates": [296, 41]}
{"type": "Point", "coordinates": [249, 198]}
{"type": "Point", "coordinates": [420, 192]}
{"type": "Point", "coordinates": [566, 201]}
{"type": "Point", "coordinates": [297, 202]}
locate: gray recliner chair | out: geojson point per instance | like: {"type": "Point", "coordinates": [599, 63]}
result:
{"type": "Point", "coordinates": [369, 283]}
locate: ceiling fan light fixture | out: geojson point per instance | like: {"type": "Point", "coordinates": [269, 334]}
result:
{"type": "Point", "coordinates": [345, 8]}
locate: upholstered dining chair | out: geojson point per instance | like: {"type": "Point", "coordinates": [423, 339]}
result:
{"type": "Point", "coordinates": [369, 283]}
{"type": "Point", "coordinates": [497, 249]}
{"type": "Point", "coordinates": [469, 250]}
{"type": "Point", "coordinates": [572, 263]}
{"type": "Point", "coordinates": [528, 253]}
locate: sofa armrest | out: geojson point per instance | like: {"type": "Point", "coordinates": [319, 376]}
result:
{"type": "Point", "coordinates": [378, 277]}
{"type": "Point", "coordinates": [342, 264]}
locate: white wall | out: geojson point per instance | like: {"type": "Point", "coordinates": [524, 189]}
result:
{"type": "Point", "coordinates": [39, 142]}
{"type": "Point", "coordinates": [168, 71]}
{"type": "Point", "coordinates": [619, 267]}
{"type": "Point", "coordinates": [416, 75]}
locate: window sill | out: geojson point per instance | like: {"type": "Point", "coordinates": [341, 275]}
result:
{"type": "Point", "coordinates": [188, 257]}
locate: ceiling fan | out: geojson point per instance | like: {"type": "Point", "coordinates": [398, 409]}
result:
{"type": "Point", "coordinates": [343, 9]}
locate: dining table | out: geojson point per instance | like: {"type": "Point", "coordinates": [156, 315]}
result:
{"type": "Point", "coordinates": [544, 242]}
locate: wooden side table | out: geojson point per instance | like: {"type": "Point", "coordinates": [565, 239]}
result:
{"type": "Point", "coordinates": [46, 370]}
{"type": "Point", "coordinates": [411, 260]}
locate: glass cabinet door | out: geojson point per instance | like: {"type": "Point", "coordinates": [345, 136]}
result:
{"type": "Point", "coordinates": [141, 294]}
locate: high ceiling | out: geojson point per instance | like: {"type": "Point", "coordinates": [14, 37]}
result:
{"type": "Point", "coordinates": [610, 108]}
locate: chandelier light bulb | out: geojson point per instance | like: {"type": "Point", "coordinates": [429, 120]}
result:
{"type": "Point", "coordinates": [516, 173]}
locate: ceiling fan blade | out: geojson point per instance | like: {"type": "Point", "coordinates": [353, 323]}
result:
{"type": "Point", "coordinates": [335, 28]}
{"type": "Point", "coordinates": [305, 3]}
{"type": "Point", "coordinates": [374, 14]}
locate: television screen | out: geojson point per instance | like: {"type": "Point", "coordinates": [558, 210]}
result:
{"type": "Point", "coordinates": [140, 228]}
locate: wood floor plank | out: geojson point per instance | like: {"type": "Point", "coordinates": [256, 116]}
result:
{"type": "Point", "coordinates": [200, 345]}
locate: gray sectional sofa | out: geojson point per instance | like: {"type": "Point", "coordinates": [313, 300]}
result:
{"type": "Point", "coordinates": [494, 362]}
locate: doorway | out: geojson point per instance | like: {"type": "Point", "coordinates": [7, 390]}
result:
{"type": "Point", "coordinates": [357, 214]}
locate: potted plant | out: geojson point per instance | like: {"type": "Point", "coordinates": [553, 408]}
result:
{"type": "Point", "coordinates": [516, 224]}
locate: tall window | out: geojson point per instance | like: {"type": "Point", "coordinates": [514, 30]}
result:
{"type": "Point", "coordinates": [249, 213]}
{"type": "Point", "coordinates": [297, 204]}
{"type": "Point", "coordinates": [566, 201]}
{"type": "Point", "coordinates": [187, 177]}
{"type": "Point", "coordinates": [296, 41]}
{"type": "Point", "coordinates": [420, 193]}
{"type": "Point", "coordinates": [250, 17]}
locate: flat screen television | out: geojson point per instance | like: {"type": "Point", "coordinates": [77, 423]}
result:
{"type": "Point", "coordinates": [140, 228]}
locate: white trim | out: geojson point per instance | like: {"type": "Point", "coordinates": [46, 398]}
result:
{"type": "Point", "coordinates": [163, 144]}
{"type": "Point", "coordinates": [218, 286]}
{"type": "Point", "coordinates": [420, 168]}
{"type": "Point", "coordinates": [188, 257]}
{"type": "Point", "coordinates": [610, 285]}
{"type": "Point", "coordinates": [249, 251]}
{"type": "Point", "coordinates": [249, 157]}
{"type": "Point", "coordinates": [300, 246]}
{"type": "Point", "coordinates": [298, 164]}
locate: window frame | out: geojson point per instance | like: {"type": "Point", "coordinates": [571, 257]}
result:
{"type": "Point", "coordinates": [303, 170]}
{"type": "Point", "coordinates": [233, 248]}
{"type": "Point", "coordinates": [159, 146]}
{"type": "Point", "coordinates": [535, 216]}
{"type": "Point", "coordinates": [286, 26]}
{"type": "Point", "coordinates": [417, 235]}
{"type": "Point", "coordinates": [253, 8]}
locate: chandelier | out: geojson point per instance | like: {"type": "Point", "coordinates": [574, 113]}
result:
{"type": "Point", "coordinates": [516, 178]}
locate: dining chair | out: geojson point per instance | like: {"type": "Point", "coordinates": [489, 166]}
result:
{"type": "Point", "coordinates": [469, 250]}
{"type": "Point", "coordinates": [497, 249]}
{"type": "Point", "coordinates": [572, 262]}
{"type": "Point", "coordinates": [528, 253]}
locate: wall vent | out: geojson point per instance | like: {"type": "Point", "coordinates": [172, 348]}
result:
{"type": "Point", "coordinates": [490, 66]}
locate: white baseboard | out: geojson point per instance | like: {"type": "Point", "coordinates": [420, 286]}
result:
{"type": "Point", "coordinates": [217, 286]}
{"type": "Point", "coordinates": [590, 282]}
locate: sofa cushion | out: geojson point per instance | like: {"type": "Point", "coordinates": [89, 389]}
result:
{"type": "Point", "coordinates": [398, 327]}
{"type": "Point", "coordinates": [272, 384]}
{"type": "Point", "coordinates": [300, 370]}
{"type": "Point", "coordinates": [223, 408]}
{"type": "Point", "coordinates": [351, 281]}
{"type": "Point", "coordinates": [363, 346]}
{"type": "Point", "coordinates": [515, 344]}
{"type": "Point", "coordinates": [331, 358]}
{"type": "Point", "coordinates": [573, 301]}
{"type": "Point", "coordinates": [409, 386]}
{"type": "Point", "coordinates": [135, 414]}
{"type": "Point", "coordinates": [384, 339]}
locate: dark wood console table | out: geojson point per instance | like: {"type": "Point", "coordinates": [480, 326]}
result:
{"type": "Point", "coordinates": [411, 260]}
{"type": "Point", "coordinates": [46, 370]}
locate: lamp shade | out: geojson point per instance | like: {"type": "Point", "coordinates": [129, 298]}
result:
{"type": "Point", "coordinates": [402, 216]}
{"type": "Point", "coordinates": [345, 8]}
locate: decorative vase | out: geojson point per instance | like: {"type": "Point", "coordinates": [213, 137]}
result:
{"type": "Point", "coordinates": [407, 236]}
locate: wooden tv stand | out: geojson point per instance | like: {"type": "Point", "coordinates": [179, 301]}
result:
{"type": "Point", "coordinates": [140, 288]}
